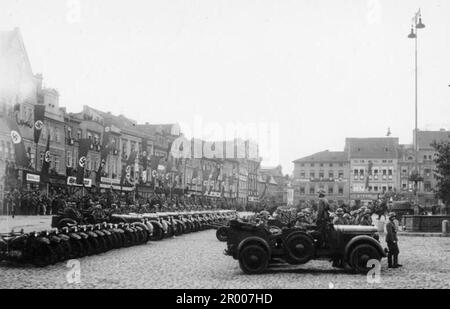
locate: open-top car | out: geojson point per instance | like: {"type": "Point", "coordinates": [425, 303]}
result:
{"type": "Point", "coordinates": [257, 246]}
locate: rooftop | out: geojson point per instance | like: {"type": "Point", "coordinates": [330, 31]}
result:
{"type": "Point", "coordinates": [372, 148]}
{"type": "Point", "coordinates": [325, 156]}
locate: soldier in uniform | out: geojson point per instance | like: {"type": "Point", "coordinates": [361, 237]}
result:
{"type": "Point", "coordinates": [339, 219]}
{"type": "Point", "coordinates": [323, 217]}
{"type": "Point", "coordinates": [302, 221]}
{"type": "Point", "coordinates": [392, 242]}
{"type": "Point", "coordinates": [366, 218]}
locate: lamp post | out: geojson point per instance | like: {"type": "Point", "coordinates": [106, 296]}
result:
{"type": "Point", "coordinates": [416, 25]}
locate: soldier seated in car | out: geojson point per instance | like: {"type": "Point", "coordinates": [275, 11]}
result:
{"type": "Point", "coordinates": [302, 221]}
{"type": "Point", "coordinates": [339, 218]}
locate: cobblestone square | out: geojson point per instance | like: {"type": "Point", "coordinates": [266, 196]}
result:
{"type": "Point", "coordinates": [197, 261]}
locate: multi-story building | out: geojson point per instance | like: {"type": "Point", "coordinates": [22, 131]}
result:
{"type": "Point", "coordinates": [326, 170]}
{"type": "Point", "coordinates": [425, 165]}
{"type": "Point", "coordinates": [373, 167]}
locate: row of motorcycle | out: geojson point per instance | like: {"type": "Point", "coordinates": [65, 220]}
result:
{"type": "Point", "coordinates": [123, 230]}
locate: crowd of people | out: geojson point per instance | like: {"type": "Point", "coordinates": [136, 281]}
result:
{"type": "Point", "coordinates": [48, 203]}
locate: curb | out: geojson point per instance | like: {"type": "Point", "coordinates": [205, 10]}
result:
{"type": "Point", "coordinates": [418, 234]}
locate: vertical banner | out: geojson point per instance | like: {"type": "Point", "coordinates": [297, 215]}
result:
{"type": "Point", "coordinates": [46, 162]}
{"type": "Point", "coordinates": [125, 178]}
{"type": "Point", "coordinates": [144, 160]}
{"type": "Point", "coordinates": [17, 140]}
{"type": "Point", "coordinates": [84, 145]}
{"type": "Point", "coordinates": [103, 153]}
{"type": "Point", "coordinates": [39, 113]}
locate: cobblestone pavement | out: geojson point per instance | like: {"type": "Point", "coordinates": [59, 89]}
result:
{"type": "Point", "coordinates": [196, 261]}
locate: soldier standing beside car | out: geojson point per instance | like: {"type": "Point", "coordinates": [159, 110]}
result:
{"type": "Point", "coordinates": [323, 217]}
{"type": "Point", "coordinates": [392, 242]}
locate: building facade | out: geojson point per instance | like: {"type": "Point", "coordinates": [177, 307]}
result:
{"type": "Point", "coordinates": [326, 170]}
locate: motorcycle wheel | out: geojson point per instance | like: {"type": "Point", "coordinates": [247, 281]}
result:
{"type": "Point", "coordinates": [58, 251]}
{"type": "Point", "coordinates": [130, 239]}
{"type": "Point", "coordinates": [77, 249]}
{"type": "Point", "coordinates": [43, 256]}
{"type": "Point", "coordinates": [170, 231]}
{"type": "Point", "coordinates": [178, 229]}
{"type": "Point", "coordinates": [158, 233]}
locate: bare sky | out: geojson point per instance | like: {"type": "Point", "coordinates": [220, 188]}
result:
{"type": "Point", "coordinates": [321, 70]}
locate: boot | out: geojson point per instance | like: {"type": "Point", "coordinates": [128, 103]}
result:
{"type": "Point", "coordinates": [396, 264]}
{"type": "Point", "coordinates": [389, 258]}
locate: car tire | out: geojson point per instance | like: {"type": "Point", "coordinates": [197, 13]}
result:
{"type": "Point", "coordinates": [360, 255]}
{"type": "Point", "coordinates": [253, 259]}
{"type": "Point", "coordinates": [300, 249]}
{"type": "Point", "coordinates": [222, 233]}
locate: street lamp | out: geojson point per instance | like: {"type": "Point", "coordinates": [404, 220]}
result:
{"type": "Point", "coordinates": [416, 25]}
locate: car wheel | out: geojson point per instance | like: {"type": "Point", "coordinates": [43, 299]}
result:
{"type": "Point", "coordinates": [300, 249]}
{"type": "Point", "coordinates": [362, 254]}
{"type": "Point", "coordinates": [253, 259]}
{"type": "Point", "coordinates": [222, 234]}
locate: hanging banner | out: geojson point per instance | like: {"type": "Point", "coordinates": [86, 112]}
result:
{"type": "Point", "coordinates": [21, 157]}
{"type": "Point", "coordinates": [84, 143]}
{"type": "Point", "coordinates": [39, 114]}
{"type": "Point", "coordinates": [103, 153]}
{"type": "Point", "coordinates": [46, 162]}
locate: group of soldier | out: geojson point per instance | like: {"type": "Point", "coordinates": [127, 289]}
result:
{"type": "Point", "coordinates": [361, 216]}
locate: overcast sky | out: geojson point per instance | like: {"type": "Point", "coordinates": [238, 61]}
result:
{"type": "Point", "coordinates": [319, 70]}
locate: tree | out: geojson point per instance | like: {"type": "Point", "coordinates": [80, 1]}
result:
{"type": "Point", "coordinates": [442, 172]}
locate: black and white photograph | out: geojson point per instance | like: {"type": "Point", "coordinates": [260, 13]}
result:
{"type": "Point", "coordinates": [224, 150]}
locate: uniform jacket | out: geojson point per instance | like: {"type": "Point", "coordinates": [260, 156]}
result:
{"type": "Point", "coordinates": [340, 221]}
{"type": "Point", "coordinates": [322, 210]}
{"type": "Point", "coordinates": [391, 232]}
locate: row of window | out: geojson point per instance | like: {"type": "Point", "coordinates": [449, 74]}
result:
{"type": "Point", "coordinates": [313, 190]}
{"type": "Point", "coordinates": [323, 164]}
{"type": "Point", "coordinates": [321, 174]}
{"type": "Point", "coordinates": [375, 172]}
{"type": "Point", "coordinates": [373, 161]}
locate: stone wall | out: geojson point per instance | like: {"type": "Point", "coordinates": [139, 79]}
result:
{"type": "Point", "coordinates": [424, 223]}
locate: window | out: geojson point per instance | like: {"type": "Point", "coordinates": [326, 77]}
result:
{"type": "Point", "coordinates": [330, 190]}
{"type": "Point", "coordinates": [330, 174]}
{"type": "Point", "coordinates": [79, 134]}
{"type": "Point", "coordinates": [311, 190]}
{"type": "Point", "coordinates": [427, 186]}
{"type": "Point", "coordinates": [69, 132]}
{"type": "Point", "coordinates": [302, 174]}
{"type": "Point", "coordinates": [89, 135]}
{"type": "Point", "coordinates": [390, 172]}
{"type": "Point", "coordinates": [69, 159]}
{"type": "Point", "coordinates": [302, 164]}
{"type": "Point", "coordinates": [404, 171]}
{"type": "Point", "coordinates": [55, 163]}
{"type": "Point", "coordinates": [404, 186]}
{"type": "Point", "coordinates": [341, 174]}
{"type": "Point", "coordinates": [321, 174]}
{"type": "Point", "coordinates": [341, 190]}
{"type": "Point", "coordinates": [390, 188]}
{"type": "Point", "coordinates": [302, 190]}
{"type": "Point", "coordinates": [341, 164]}
{"type": "Point", "coordinates": [312, 164]}
{"type": "Point", "coordinates": [321, 164]}
{"type": "Point", "coordinates": [331, 165]}
{"type": "Point", "coordinates": [2, 149]}
{"type": "Point", "coordinates": [56, 133]}
{"type": "Point", "coordinates": [427, 172]}
{"type": "Point", "coordinates": [312, 175]}
{"type": "Point", "coordinates": [370, 188]}
{"type": "Point", "coordinates": [375, 188]}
